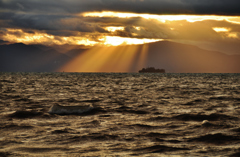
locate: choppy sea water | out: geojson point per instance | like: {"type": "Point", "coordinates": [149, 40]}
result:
{"type": "Point", "coordinates": [132, 114]}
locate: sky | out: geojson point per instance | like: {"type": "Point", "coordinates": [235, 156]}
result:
{"type": "Point", "coordinates": [208, 24]}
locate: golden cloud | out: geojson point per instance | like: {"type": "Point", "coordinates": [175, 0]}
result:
{"type": "Point", "coordinates": [18, 35]}
{"type": "Point", "coordinates": [164, 18]}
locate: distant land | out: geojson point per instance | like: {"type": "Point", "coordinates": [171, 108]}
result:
{"type": "Point", "coordinates": [171, 56]}
{"type": "Point", "coordinates": [175, 57]}
{"type": "Point", "coordinates": [30, 58]}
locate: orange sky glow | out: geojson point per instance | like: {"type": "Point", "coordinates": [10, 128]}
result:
{"type": "Point", "coordinates": [172, 23]}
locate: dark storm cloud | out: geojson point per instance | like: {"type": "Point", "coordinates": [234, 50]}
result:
{"type": "Point", "coordinates": [223, 7]}
{"type": "Point", "coordinates": [217, 7]}
{"type": "Point", "coordinates": [49, 23]}
{"type": "Point", "coordinates": [46, 6]}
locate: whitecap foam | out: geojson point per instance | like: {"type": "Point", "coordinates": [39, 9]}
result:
{"type": "Point", "coordinates": [58, 109]}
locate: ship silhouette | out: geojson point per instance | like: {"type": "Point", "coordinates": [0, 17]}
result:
{"type": "Point", "coordinates": [151, 70]}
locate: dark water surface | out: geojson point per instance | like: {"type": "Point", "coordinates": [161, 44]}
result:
{"type": "Point", "coordinates": [134, 114]}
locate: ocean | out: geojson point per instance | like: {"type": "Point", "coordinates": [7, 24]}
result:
{"type": "Point", "coordinates": [119, 114]}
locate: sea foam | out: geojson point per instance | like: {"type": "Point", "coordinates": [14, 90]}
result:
{"type": "Point", "coordinates": [58, 109]}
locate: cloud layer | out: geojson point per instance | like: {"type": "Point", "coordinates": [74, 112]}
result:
{"type": "Point", "coordinates": [62, 21]}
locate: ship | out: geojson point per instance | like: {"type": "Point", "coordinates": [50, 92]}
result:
{"type": "Point", "coordinates": [151, 70]}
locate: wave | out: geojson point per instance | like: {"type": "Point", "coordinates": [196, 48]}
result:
{"type": "Point", "coordinates": [235, 154]}
{"type": "Point", "coordinates": [58, 109]}
{"type": "Point", "coordinates": [217, 138]}
{"type": "Point", "coordinates": [25, 114]}
{"type": "Point", "coordinates": [40, 149]}
{"type": "Point", "coordinates": [159, 149]}
{"type": "Point", "coordinates": [202, 117]}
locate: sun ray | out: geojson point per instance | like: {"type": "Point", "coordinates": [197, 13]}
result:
{"type": "Point", "coordinates": [143, 56]}
{"type": "Point", "coordinates": [109, 59]}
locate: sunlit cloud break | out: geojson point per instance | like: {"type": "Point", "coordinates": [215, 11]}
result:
{"type": "Point", "coordinates": [226, 31]}
{"type": "Point", "coordinates": [221, 29]}
{"type": "Point", "coordinates": [163, 18]}
{"type": "Point", "coordinates": [18, 35]}
{"type": "Point", "coordinates": [116, 41]}
{"type": "Point", "coordinates": [113, 29]}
